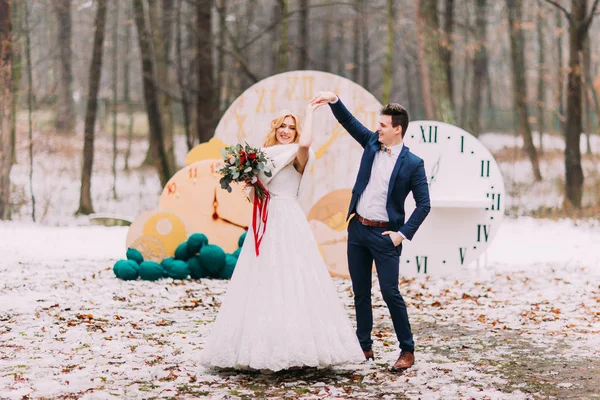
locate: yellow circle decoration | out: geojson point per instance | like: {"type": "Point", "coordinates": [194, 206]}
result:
{"type": "Point", "coordinates": [157, 233]}
{"type": "Point", "coordinates": [205, 151]}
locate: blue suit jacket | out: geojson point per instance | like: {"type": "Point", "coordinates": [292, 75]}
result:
{"type": "Point", "coordinates": [408, 176]}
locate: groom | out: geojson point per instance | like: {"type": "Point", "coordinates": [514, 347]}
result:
{"type": "Point", "coordinates": [388, 173]}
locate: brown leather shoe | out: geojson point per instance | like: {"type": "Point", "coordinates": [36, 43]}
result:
{"type": "Point", "coordinates": [405, 361]}
{"type": "Point", "coordinates": [369, 354]}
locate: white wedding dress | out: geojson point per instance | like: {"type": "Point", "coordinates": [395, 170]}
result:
{"type": "Point", "coordinates": [281, 308]}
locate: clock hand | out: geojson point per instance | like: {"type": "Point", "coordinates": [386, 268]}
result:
{"type": "Point", "coordinates": [216, 215]}
{"type": "Point", "coordinates": [434, 170]}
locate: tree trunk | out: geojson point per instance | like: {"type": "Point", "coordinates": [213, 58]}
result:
{"type": "Point", "coordinates": [480, 61]}
{"type": "Point", "coordinates": [304, 35]}
{"type": "Point", "coordinates": [115, 84]}
{"type": "Point", "coordinates": [447, 46]}
{"type": "Point", "coordinates": [65, 110]}
{"type": "Point", "coordinates": [560, 81]}
{"type": "Point", "coordinates": [27, 30]}
{"type": "Point", "coordinates": [5, 109]}
{"type": "Point", "coordinates": [85, 199]}
{"type": "Point", "coordinates": [573, 126]}
{"type": "Point", "coordinates": [17, 71]}
{"type": "Point", "coordinates": [126, 83]}
{"type": "Point", "coordinates": [389, 52]}
{"type": "Point", "coordinates": [161, 20]}
{"type": "Point", "coordinates": [432, 66]}
{"type": "Point", "coordinates": [326, 40]}
{"type": "Point", "coordinates": [182, 73]}
{"type": "Point", "coordinates": [283, 39]}
{"type": "Point", "coordinates": [517, 52]}
{"type": "Point", "coordinates": [587, 100]}
{"type": "Point", "coordinates": [357, 28]}
{"type": "Point", "coordinates": [541, 92]}
{"type": "Point", "coordinates": [207, 110]}
{"type": "Point", "coordinates": [150, 94]}
{"type": "Point", "coordinates": [366, 66]}
{"type": "Point", "coordinates": [222, 11]}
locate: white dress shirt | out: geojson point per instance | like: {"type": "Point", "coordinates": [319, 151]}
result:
{"type": "Point", "coordinates": [372, 202]}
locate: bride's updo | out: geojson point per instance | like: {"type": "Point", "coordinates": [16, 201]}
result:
{"type": "Point", "coordinates": [271, 138]}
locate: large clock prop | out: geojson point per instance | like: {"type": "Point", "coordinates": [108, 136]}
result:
{"type": "Point", "coordinates": [467, 199]}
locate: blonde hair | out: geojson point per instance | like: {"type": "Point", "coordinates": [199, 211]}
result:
{"type": "Point", "coordinates": [271, 137]}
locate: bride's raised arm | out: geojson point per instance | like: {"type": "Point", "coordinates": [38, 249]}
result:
{"type": "Point", "coordinates": [305, 138]}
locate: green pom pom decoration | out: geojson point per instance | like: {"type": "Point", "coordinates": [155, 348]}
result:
{"type": "Point", "coordinates": [179, 270]}
{"type": "Point", "coordinates": [126, 270]}
{"type": "Point", "coordinates": [227, 270]}
{"type": "Point", "coordinates": [134, 255]}
{"type": "Point", "coordinates": [195, 243]}
{"type": "Point", "coordinates": [166, 265]}
{"type": "Point", "coordinates": [182, 253]}
{"type": "Point", "coordinates": [212, 258]}
{"type": "Point", "coordinates": [197, 271]}
{"type": "Point", "coordinates": [151, 271]}
{"type": "Point", "coordinates": [241, 239]}
{"type": "Point", "coordinates": [237, 252]}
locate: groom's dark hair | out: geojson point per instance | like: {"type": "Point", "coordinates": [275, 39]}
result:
{"type": "Point", "coordinates": [399, 115]}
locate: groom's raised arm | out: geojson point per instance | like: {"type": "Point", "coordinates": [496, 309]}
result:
{"type": "Point", "coordinates": [358, 131]}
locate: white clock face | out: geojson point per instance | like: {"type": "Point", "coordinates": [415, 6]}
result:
{"type": "Point", "coordinates": [467, 200]}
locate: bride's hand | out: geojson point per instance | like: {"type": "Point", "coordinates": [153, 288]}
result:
{"type": "Point", "coordinates": [310, 107]}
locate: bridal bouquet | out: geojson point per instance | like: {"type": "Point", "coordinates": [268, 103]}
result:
{"type": "Point", "coordinates": [242, 164]}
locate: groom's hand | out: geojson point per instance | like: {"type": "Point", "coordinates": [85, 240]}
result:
{"type": "Point", "coordinates": [395, 236]}
{"type": "Point", "coordinates": [323, 98]}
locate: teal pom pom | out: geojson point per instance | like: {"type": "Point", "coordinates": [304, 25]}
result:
{"type": "Point", "coordinates": [227, 270]}
{"type": "Point", "coordinates": [182, 252]}
{"type": "Point", "coordinates": [241, 239]}
{"type": "Point", "coordinates": [150, 271]}
{"type": "Point", "coordinates": [195, 243]}
{"type": "Point", "coordinates": [166, 265]}
{"type": "Point", "coordinates": [134, 255]}
{"type": "Point", "coordinates": [212, 258]}
{"type": "Point", "coordinates": [237, 252]}
{"type": "Point", "coordinates": [126, 270]}
{"type": "Point", "coordinates": [179, 270]}
{"type": "Point", "coordinates": [197, 271]}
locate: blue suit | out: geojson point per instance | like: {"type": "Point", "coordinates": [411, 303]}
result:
{"type": "Point", "coordinates": [367, 244]}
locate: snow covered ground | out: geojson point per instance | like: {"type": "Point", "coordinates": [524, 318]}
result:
{"type": "Point", "coordinates": [524, 324]}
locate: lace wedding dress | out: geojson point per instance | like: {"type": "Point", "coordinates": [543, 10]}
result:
{"type": "Point", "coordinates": [281, 308]}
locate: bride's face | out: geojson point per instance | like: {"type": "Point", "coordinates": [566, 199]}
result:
{"type": "Point", "coordinates": [286, 133]}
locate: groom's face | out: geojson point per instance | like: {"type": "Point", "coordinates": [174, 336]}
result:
{"type": "Point", "coordinates": [388, 134]}
{"type": "Point", "coordinates": [286, 133]}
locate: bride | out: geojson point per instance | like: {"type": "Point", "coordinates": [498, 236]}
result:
{"type": "Point", "coordinates": [281, 309]}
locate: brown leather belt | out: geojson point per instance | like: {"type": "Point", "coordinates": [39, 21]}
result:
{"type": "Point", "coordinates": [368, 222]}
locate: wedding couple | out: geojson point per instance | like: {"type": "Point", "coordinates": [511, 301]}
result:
{"type": "Point", "coordinates": [281, 310]}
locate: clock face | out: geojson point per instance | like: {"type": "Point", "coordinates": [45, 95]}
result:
{"type": "Point", "coordinates": [467, 200]}
{"type": "Point", "coordinates": [195, 194]}
{"type": "Point", "coordinates": [337, 155]}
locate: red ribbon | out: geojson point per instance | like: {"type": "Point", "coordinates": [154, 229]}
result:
{"type": "Point", "coordinates": [260, 212]}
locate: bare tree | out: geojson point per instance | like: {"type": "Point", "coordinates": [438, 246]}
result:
{"type": "Point", "coordinates": [207, 104]}
{"type": "Point", "coordinates": [115, 84]}
{"type": "Point", "coordinates": [480, 65]}
{"type": "Point", "coordinates": [435, 83]}
{"type": "Point", "coordinates": [5, 107]}
{"type": "Point", "coordinates": [85, 199]}
{"type": "Point", "coordinates": [579, 23]}
{"type": "Point", "coordinates": [304, 35]}
{"type": "Point", "coordinates": [17, 70]}
{"type": "Point", "coordinates": [389, 52]}
{"type": "Point", "coordinates": [65, 110]}
{"type": "Point", "coordinates": [447, 45]}
{"type": "Point", "coordinates": [541, 89]}
{"type": "Point", "coordinates": [517, 52]}
{"type": "Point", "coordinates": [27, 31]}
